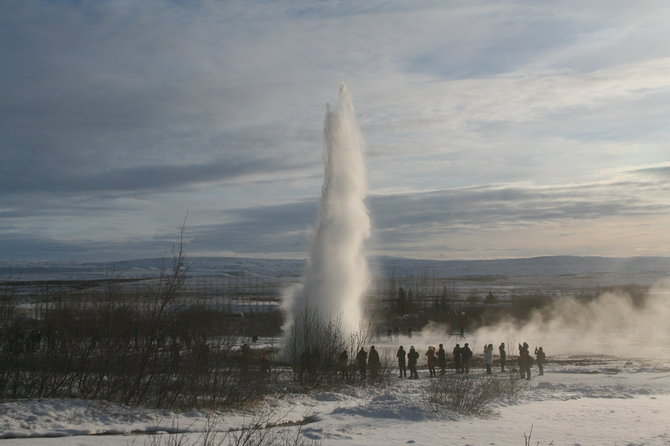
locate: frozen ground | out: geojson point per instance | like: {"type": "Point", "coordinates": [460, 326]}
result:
{"type": "Point", "coordinates": [581, 400]}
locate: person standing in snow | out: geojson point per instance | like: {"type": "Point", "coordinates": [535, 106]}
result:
{"type": "Point", "coordinates": [374, 363]}
{"type": "Point", "coordinates": [523, 348]}
{"type": "Point", "coordinates": [457, 359]}
{"type": "Point", "coordinates": [466, 354]}
{"type": "Point", "coordinates": [442, 359]}
{"type": "Point", "coordinates": [361, 360]}
{"type": "Point", "coordinates": [488, 357]}
{"type": "Point", "coordinates": [401, 354]}
{"type": "Point", "coordinates": [524, 361]}
{"type": "Point", "coordinates": [432, 361]}
{"type": "Point", "coordinates": [503, 356]}
{"type": "Point", "coordinates": [412, 358]}
{"type": "Point", "coordinates": [343, 363]}
{"type": "Point", "coordinates": [540, 358]}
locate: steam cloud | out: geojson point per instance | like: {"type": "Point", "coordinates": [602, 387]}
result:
{"type": "Point", "coordinates": [336, 275]}
{"type": "Point", "coordinates": [612, 324]}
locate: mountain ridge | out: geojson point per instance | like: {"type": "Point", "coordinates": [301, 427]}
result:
{"type": "Point", "coordinates": [385, 265]}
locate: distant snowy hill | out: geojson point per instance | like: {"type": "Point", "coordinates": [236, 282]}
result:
{"type": "Point", "coordinates": [535, 266]}
{"type": "Point", "coordinates": [273, 268]}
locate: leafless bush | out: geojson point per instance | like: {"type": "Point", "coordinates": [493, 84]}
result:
{"type": "Point", "coordinates": [123, 347]}
{"type": "Point", "coordinates": [314, 347]}
{"type": "Point", "coordinates": [527, 438]}
{"type": "Point", "coordinates": [264, 429]}
{"type": "Point", "coordinates": [472, 395]}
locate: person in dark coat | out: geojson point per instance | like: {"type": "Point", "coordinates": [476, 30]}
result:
{"type": "Point", "coordinates": [524, 362]}
{"type": "Point", "coordinates": [412, 358]}
{"type": "Point", "coordinates": [540, 358]}
{"type": "Point", "coordinates": [401, 354]}
{"type": "Point", "coordinates": [457, 359]}
{"type": "Point", "coordinates": [466, 354]}
{"type": "Point", "coordinates": [431, 361]}
{"type": "Point", "coordinates": [503, 356]}
{"type": "Point", "coordinates": [361, 360]}
{"type": "Point", "coordinates": [343, 364]}
{"type": "Point", "coordinates": [374, 364]}
{"type": "Point", "coordinates": [523, 348]}
{"type": "Point", "coordinates": [442, 359]}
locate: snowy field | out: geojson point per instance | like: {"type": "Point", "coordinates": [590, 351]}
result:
{"type": "Point", "coordinates": [581, 400]}
{"type": "Point", "coordinates": [607, 382]}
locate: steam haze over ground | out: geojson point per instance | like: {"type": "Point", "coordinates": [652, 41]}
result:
{"type": "Point", "coordinates": [612, 324]}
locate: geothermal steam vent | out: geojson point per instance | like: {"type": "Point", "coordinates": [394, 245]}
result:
{"type": "Point", "coordinates": [336, 275]}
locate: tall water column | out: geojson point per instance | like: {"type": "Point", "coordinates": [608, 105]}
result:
{"type": "Point", "coordinates": [336, 275]}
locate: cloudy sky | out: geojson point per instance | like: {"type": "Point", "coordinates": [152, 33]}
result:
{"type": "Point", "coordinates": [494, 129]}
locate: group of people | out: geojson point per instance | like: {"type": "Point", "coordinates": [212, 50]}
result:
{"type": "Point", "coordinates": [368, 364]}
{"type": "Point", "coordinates": [462, 357]}
{"type": "Point", "coordinates": [364, 361]}
{"type": "Point", "coordinates": [525, 360]}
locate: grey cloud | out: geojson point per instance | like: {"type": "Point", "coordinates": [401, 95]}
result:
{"type": "Point", "coordinates": [134, 180]}
{"type": "Point", "coordinates": [277, 228]}
{"type": "Point", "coordinates": [402, 220]}
{"type": "Point", "coordinates": [490, 205]}
{"type": "Point", "coordinates": [34, 246]}
{"type": "Point", "coordinates": [111, 96]}
{"type": "Point", "coordinates": [104, 102]}
{"type": "Point", "coordinates": [403, 223]}
{"type": "Point", "coordinates": [662, 172]}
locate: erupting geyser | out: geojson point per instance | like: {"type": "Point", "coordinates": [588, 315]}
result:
{"type": "Point", "coordinates": [336, 275]}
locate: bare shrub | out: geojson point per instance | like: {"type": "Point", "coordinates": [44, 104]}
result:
{"type": "Point", "coordinates": [264, 429]}
{"type": "Point", "coordinates": [527, 438]}
{"type": "Point", "coordinates": [130, 348]}
{"type": "Point", "coordinates": [470, 395]}
{"type": "Point", "coordinates": [314, 347]}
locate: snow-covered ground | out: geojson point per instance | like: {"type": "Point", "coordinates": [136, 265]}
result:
{"type": "Point", "coordinates": [579, 401]}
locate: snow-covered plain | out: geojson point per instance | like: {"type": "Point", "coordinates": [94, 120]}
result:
{"type": "Point", "coordinates": [580, 400]}
{"type": "Point", "coordinates": [607, 383]}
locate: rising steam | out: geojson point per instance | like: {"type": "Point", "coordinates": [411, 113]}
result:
{"type": "Point", "coordinates": [336, 275]}
{"type": "Point", "coordinates": [612, 324]}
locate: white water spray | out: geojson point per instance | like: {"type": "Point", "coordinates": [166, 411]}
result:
{"type": "Point", "coordinates": [336, 276]}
